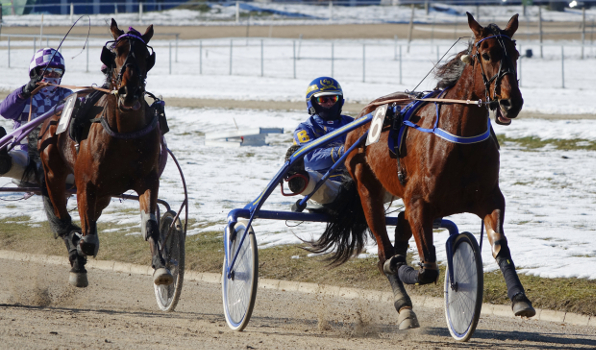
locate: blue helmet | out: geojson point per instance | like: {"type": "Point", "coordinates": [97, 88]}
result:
{"type": "Point", "coordinates": [322, 86]}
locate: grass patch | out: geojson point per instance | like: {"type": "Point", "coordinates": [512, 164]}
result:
{"type": "Point", "coordinates": [532, 143]}
{"type": "Point", "coordinates": [204, 253]}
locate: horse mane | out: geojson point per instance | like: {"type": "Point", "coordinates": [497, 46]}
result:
{"type": "Point", "coordinates": [449, 73]}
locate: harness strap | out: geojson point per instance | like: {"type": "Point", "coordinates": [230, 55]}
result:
{"type": "Point", "coordinates": [128, 135]}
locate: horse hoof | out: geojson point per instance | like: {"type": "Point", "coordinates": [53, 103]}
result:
{"type": "Point", "coordinates": [522, 306]}
{"type": "Point", "coordinates": [162, 276]}
{"type": "Point", "coordinates": [407, 319]}
{"type": "Point", "coordinates": [78, 279]}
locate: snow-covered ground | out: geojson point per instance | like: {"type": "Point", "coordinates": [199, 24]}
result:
{"type": "Point", "coordinates": [550, 199]}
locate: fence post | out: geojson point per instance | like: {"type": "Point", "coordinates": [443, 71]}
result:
{"type": "Point", "coordinates": [177, 47]}
{"type": "Point", "coordinates": [170, 60]}
{"type": "Point", "coordinates": [363, 62]}
{"type": "Point", "coordinates": [540, 28]}
{"type": "Point", "coordinates": [34, 45]}
{"type": "Point", "coordinates": [200, 56]}
{"type": "Point", "coordinates": [294, 59]}
{"type": "Point", "coordinates": [237, 11]}
{"type": "Point", "coordinates": [140, 11]}
{"type": "Point", "coordinates": [87, 66]}
{"type": "Point", "coordinates": [261, 57]}
{"type": "Point", "coordinates": [562, 67]}
{"type": "Point", "coordinates": [230, 56]}
{"type": "Point", "coordinates": [8, 52]}
{"type": "Point", "coordinates": [71, 11]}
{"type": "Point", "coordinates": [332, 57]}
{"type": "Point", "coordinates": [411, 28]}
{"type": "Point", "coordinates": [330, 10]}
{"type": "Point", "coordinates": [400, 64]}
{"type": "Point", "coordinates": [395, 47]}
{"type": "Point", "coordinates": [583, 30]}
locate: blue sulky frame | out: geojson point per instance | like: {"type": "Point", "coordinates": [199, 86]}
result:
{"type": "Point", "coordinates": [253, 210]}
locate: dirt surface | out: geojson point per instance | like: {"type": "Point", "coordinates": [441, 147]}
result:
{"type": "Point", "coordinates": [39, 309]}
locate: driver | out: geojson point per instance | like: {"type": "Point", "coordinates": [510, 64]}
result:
{"type": "Point", "coordinates": [324, 100]}
{"type": "Point", "coordinates": [29, 102]}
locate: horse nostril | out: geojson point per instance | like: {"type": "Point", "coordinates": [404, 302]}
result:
{"type": "Point", "coordinates": [505, 104]}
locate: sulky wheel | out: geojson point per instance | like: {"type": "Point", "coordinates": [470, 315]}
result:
{"type": "Point", "coordinates": [173, 252]}
{"type": "Point", "coordinates": [463, 298]}
{"type": "Point", "coordinates": [239, 286]}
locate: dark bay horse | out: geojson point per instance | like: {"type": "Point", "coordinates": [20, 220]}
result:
{"type": "Point", "coordinates": [436, 177]}
{"type": "Point", "coordinates": [121, 152]}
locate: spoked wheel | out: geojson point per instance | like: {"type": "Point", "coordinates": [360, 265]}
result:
{"type": "Point", "coordinates": [173, 252]}
{"type": "Point", "coordinates": [463, 298]}
{"type": "Point", "coordinates": [239, 287]}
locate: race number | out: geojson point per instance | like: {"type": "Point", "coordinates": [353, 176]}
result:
{"type": "Point", "coordinates": [70, 105]}
{"type": "Point", "coordinates": [376, 125]}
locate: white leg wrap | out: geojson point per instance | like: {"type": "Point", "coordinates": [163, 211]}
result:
{"type": "Point", "coordinates": [144, 219]}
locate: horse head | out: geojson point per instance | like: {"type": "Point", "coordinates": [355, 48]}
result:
{"type": "Point", "coordinates": [494, 57]}
{"type": "Point", "coordinates": [129, 57]}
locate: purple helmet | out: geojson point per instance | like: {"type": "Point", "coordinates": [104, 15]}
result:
{"type": "Point", "coordinates": [43, 56]}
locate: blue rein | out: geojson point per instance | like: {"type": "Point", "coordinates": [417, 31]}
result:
{"type": "Point", "coordinates": [447, 135]}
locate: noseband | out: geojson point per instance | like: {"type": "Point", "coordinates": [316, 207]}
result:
{"type": "Point", "coordinates": [508, 69]}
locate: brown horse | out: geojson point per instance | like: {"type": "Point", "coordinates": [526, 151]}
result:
{"type": "Point", "coordinates": [436, 177]}
{"type": "Point", "coordinates": [121, 152]}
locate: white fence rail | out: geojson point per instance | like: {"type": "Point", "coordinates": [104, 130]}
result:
{"type": "Point", "coordinates": [373, 61]}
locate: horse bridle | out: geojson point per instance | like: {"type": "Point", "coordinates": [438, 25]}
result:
{"type": "Point", "coordinates": [492, 102]}
{"type": "Point", "coordinates": [108, 57]}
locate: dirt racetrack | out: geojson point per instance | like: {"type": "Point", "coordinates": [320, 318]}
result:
{"type": "Point", "coordinates": [40, 310]}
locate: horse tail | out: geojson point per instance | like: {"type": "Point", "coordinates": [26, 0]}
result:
{"type": "Point", "coordinates": [347, 229]}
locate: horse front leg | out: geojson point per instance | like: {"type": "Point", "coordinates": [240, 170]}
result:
{"type": "Point", "coordinates": [372, 194]}
{"type": "Point", "coordinates": [150, 230]}
{"type": "Point", "coordinates": [493, 221]}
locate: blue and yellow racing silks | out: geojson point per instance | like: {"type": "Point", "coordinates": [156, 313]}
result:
{"type": "Point", "coordinates": [323, 158]}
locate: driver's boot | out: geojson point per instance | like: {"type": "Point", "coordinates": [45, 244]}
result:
{"type": "Point", "coordinates": [296, 176]}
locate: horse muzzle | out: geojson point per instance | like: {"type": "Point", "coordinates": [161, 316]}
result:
{"type": "Point", "coordinates": [128, 101]}
{"type": "Point", "coordinates": [506, 110]}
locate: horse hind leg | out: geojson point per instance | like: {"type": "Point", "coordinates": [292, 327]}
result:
{"type": "Point", "coordinates": [371, 195]}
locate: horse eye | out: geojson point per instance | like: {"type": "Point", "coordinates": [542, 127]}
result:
{"type": "Point", "coordinates": [486, 57]}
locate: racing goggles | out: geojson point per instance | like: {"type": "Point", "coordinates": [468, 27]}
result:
{"type": "Point", "coordinates": [327, 99]}
{"type": "Point", "coordinates": [50, 71]}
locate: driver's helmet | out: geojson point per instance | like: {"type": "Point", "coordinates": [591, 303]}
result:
{"type": "Point", "coordinates": [322, 86]}
{"type": "Point", "coordinates": [44, 56]}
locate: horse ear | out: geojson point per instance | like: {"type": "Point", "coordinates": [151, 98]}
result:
{"type": "Point", "coordinates": [148, 34]}
{"type": "Point", "coordinates": [512, 25]}
{"type": "Point", "coordinates": [476, 28]}
{"type": "Point", "coordinates": [114, 29]}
